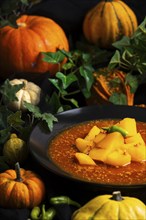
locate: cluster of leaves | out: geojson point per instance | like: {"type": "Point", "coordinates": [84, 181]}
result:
{"type": "Point", "coordinates": [10, 10]}
{"type": "Point", "coordinates": [74, 77]}
{"type": "Point", "coordinates": [130, 56]}
{"type": "Point", "coordinates": [17, 121]}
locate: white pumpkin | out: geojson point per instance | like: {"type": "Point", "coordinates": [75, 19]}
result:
{"type": "Point", "coordinates": [29, 93]}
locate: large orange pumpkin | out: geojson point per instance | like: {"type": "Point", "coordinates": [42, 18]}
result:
{"type": "Point", "coordinates": [23, 189]}
{"type": "Point", "coordinates": [108, 21]}
{"type": "Point", "coordinates": [20, 48]}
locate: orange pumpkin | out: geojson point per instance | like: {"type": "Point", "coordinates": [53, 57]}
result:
{"type": "Point", "coordinates": [108, 21]}
{"type": "Point", "coordinates": [23, 189]}
{"type": "Point", "coordinates": [20, 48]}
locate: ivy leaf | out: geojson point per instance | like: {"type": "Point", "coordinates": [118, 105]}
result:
{"type": "Point", "coordinates": [66, 80]}
{"type": "Point", "coordinates": [132, 81]}
{"type": "Point", "coordinates": [115, 60]}
{"type": "Point", "coordinates": [57, 83]}
{"type": "Point", "coordinates": [53, 103]}
{"type": "Point", "coordinates": [9, 91]}
{"type": "Point", "coordinates": [68, 66]}
{"type": "Point", "coordinates": [87, 74]}
{"type": "Point", "coordinates": [14, 120]}
{"type": "Point", "coordinates": [74, 102]}
{"type": "Point", "coordinates": [121, 44]}
{"type": "Point", "coordinates": [47, 117]}
{"type": "Point", "coordinates": [118, 99]}
{"type": "Point", "coordinates": [53, 57]}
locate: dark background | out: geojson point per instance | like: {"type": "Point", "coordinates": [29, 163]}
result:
{"type": "Point", "coordinates": [69, 14]}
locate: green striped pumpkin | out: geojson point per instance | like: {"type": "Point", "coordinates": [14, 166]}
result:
{"type": "Point", "coordinates": [108, 21]}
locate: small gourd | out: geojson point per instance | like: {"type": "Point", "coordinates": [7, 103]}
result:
{"type": "Point", "coordinates": [30, 93]}
{"type": "Point", "coordinates": [108, 21]}
{"type": "Point", "coordinates": [21, 188]}
{"type": "Point", "coordinates": [111, 207]}
{"type": "Point", "coordinates": [15, 149]}
{"type": "Point", "coordinates": [106, 83]}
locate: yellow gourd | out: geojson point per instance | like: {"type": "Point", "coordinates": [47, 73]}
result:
{"type": "Point", "coordinates": [108, 21]}
{"type": "Point", "coordinates": [112, 207]}
{"type": "Point", "coordinates": [15, 150]}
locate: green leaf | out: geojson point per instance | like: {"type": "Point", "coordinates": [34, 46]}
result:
{"type": "Point", "coordinates": [87, 73]}
{"type": "Point", "coordinates": [58, 84]}
{"type": "Point", "coordinates": [74, 102]}
{"type": "Point", "coordinates": [121, 44]}
{"type": "Point", "coordinates": [33, 109]}
{"type": "Point", "coordinates": [132, 81]}
{"type": "Point", "coordinates": [15, 121]}
{"type": "Point", "coordinates": [68, 66]}
{"type": "Point", "coordinates": [118, 99]}
{"type": "Point", "coordinates": [115, 60]}
{"type": "Point", "coordinates": [53, 57]}
{"type": "Point", "coordinates": [54, 104]}
{"type": "Point", "coordinates": [66, 80]}
{"type": "Point", "coordinates": [9, 91]}
{"type": "Point", "coordinates": [49, 119]}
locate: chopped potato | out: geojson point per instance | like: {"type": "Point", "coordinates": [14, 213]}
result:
{"type": "Point", "coordinates": [111, 141]}
{"type": "Point", "coordinates": [112, 147]}
{"type": "Point", "coordinates": [99, 154]}
{"type": "Point", "coordinates": [92, 133]}
{"type": "Point", "coordinates": [83, 145]}
{"type": "Point", "coordinates": [118, 158]}
{"type": "Point", "coordinates": [84, 159]}
{"type": "Point", "coordinates": [137, 139]}
{"type": "Point", "coordinates": [129, 124]}
{"type": "Point", "coordinates": [137, 151]}
{"type": "Point", "coordinates": [99, 137]}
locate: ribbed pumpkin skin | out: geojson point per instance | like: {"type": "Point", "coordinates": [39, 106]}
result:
{"type": "Point", "coordinates": [108, 21]}
{"type": "Point", "coordinates": [26, 194]}
{"type": "Point", "coordinates": [103, 208]}
{"type": "Point", "coordinates": [104, 86]}
{"type": "Point", "coordinates": [20, 47]}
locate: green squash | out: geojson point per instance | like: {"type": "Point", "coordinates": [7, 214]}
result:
{"type": "Point", "coordinates": [111, 207]}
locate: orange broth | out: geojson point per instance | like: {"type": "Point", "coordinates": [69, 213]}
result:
{"type": "Point", "coordinates": [62, 150]}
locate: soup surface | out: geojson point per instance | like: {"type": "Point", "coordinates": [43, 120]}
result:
{"type": "Point", "coordinates": [62, 150]}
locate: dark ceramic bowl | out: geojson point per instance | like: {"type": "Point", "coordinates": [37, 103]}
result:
{"type": "Point", "coordinates": [40, 138]}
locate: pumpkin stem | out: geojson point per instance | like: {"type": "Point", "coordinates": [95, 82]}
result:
{"type": "Point", "coordinates": [116, 196]}
{"type": "Point", "coordinates": [17, 170]}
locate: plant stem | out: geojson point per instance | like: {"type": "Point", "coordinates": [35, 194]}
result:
{"type": "Point", "coordinates": [18, 175]}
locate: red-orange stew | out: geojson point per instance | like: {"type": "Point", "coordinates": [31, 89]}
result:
{"type": "Point", "coordinates": [62, 150]}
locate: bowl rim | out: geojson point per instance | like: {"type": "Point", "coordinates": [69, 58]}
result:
{"type": "Point", "coordinates": [41, 136]}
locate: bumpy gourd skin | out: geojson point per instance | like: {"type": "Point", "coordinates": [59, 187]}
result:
{"type": "Point", "coordinates": [108, 21]}
{"type": "Point", "coordinates": [104, 208]}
